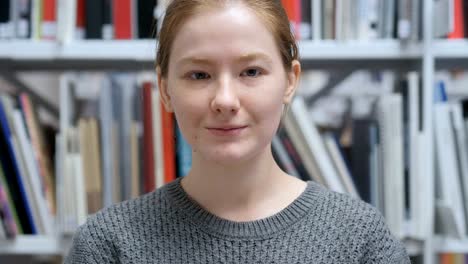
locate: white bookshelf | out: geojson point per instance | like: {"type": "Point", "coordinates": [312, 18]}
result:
{"type": "Point", "coordinates": [450, 245]}
{"type": "Point", "coordinates": [35, 245]}
{"type": "Point", "coordinates": [450, 49]}
{"type": "Point", "coordinates": [145, 50]}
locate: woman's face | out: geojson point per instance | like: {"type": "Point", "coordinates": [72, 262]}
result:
{"type": "Point", "coordinates": [226, 84]}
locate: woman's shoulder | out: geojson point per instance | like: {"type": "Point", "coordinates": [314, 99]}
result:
{"type": "Point", "coordinates": [343, 204]}
{"type": "Point", "coordinates": [136, 210]}
{"type": "Point", "coordinates": [352, 219]}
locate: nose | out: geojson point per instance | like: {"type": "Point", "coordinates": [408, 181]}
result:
{"type": "Point", "coordinates": [225, 100]}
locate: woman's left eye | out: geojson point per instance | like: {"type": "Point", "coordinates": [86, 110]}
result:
{"type": "Point", "coordinates": [251, 72]}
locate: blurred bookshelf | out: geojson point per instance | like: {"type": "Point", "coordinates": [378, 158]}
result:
{"type": "Point", "coordinates": [342, 49]}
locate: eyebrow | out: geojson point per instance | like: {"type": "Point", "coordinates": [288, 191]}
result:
{"type": "Point", "coordinates": [242, 58]}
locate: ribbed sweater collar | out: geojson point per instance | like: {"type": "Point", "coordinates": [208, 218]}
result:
{"type": "Point", "coordinates": [258, 229]}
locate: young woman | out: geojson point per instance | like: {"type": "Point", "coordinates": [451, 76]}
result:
{"type": "Point", "coordinates": [228, 69]}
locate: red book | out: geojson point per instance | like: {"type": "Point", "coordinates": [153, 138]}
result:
{"type": "Point", "coordinates": [293, 10]}
{"type": "Point", "coordinates": [167, 120]}
{"type": "Point", "coordinates": [148, 144]}
{"type": "Point", "coordinates": [80, 19]}
{"type": "Point", "coordinates": [49, 20]}
{"type": "Point", "coordinates": [458, 31]}
{"type": "Point", "coordinates": [122, 14]}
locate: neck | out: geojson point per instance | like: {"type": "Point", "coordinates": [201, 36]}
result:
{"type": "Point", "coordinates": [240, 191]}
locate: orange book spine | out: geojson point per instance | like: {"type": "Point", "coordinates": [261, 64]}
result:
{"type": "Point", "coordinates": [459, 30]}
{"type": "Point", "coordinates": [447, 258]}
{"type": "Point", "coordinates": [167, 120]}
{"type": "Point", "coordinates": [49, 19]}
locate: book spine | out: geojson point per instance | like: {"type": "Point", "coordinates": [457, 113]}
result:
{"type": "Point", "coordinates": [49, 20]}
{"type": "Point", "coordinates": [148, 145]}
{"type": "Point", "coordinates": [122, 14]}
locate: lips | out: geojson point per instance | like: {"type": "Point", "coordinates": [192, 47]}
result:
{"type": "Point", "coordinates": [227, 130]}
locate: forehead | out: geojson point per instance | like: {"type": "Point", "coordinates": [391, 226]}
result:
{"type": "Point", "coordinates": [224, 33]}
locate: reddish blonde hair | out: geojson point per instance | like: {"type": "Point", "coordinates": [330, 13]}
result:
{"type": "Point", "coordinates": [271, 12]}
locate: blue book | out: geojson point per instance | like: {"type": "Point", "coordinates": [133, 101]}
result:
{"type": "Point", "coordinates": [183, 154]}
{"type": "Point", "coordinates": [13, 176]}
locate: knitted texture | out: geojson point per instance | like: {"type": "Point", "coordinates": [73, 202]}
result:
{"type": "Point", "coordinates": [167, 226]}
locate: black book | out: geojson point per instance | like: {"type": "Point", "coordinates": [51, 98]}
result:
{"type": "Point", "coordinates": [93, 18]}
{"type": "Point", "coordinates": [361, 156]}
{"type": "Point", "coordinates": [146, 19]}
{"type": "Point", "coordinates": [107, 23]}
{"type": "Point", "coordinates": [4, 18]}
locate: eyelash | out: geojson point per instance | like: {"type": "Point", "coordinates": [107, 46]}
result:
{"type": "Point", "coordinates": [259, 72]}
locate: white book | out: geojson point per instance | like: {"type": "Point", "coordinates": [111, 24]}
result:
{"type": "Point", "coordinates": [297, 139]}
{"type": "Point", "coordinates": [417, 178]}
{"type": "Point", "coordinates": [66, 21]}
{"type": "Point", "coordinates": [78, 180]}
{"type": "Point", "coordinates": [462, 152]}
{"type": "Point", "coordinates": [316, 19]}
{"type": "Point", "coordinates": [59, 186]}
{"type": "Point", "coordinates": [158, 140]}
{"type": "Point", "coordinates": [31, 167]}
{"type": "Point", "coordinates": [390, 116]}
{"type": "Point", "coordinates": [448, 175]}
{"type": "Point", "coordinates": [315, 145]}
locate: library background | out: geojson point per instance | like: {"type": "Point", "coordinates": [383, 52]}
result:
{"type": "Point", "coordinates": [381, 114]}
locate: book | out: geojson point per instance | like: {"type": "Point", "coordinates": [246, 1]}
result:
{"type": "Point", "coordinates": [449, 200]}
{"type": "Point", "coordinates": [49, 20]}
{"type": "Point", "coordinates": [149, 170]}
{"type": "Point", "coordinates": [314, 150]}
{"type": "Point", "coordinates": [44, 218]}
{"type": "Point", "coordinates": [123, 16]}
{"type": "Point", "coordinates": [458, 20]}
{"type": "Point", "coordinates": [15, 181]}
{"type": "Point", "coordinates": [8, 215]}
{"type": "Point", "coordinates": [390, 115]}
{"type": "Point", "coordinates": [167, 125]}
{"type": "Point", "coordinates": [41, 153]}
{"type": "Point", "coordinates": [184, 153]}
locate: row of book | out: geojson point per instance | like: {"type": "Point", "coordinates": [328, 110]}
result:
{"type": "Point", "coordinates": [453, 258]}
{"type": "Point", "coordinates": [377, 156]}
{"type": "Point", "coordinates": [116, 142]}
{"type": "Point", "coordinates": [451, 135]}
{"type": "Point", "coordinates": [374, 19]}
{"type": "Point", "coordinates": [67, 20]}
{"type": "Point", "coordinates": [78, 19]}
{"type": "Point", "coordinates": [392, 152]}
{"type": "Point", "coordinates": [27, 189]}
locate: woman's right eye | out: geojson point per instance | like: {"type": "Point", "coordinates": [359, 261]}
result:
{"type": "Point", "coordinates": [199, 76]}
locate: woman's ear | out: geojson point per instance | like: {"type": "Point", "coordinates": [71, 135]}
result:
{"type": "Point", "coordinates": [163, 91]}
{"type": "Point", "coordinates": [293, 81]}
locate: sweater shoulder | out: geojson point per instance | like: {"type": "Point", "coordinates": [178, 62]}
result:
{"type": "Point", "coordinates": [135, 210]}
{"type": "Point", "coordinates": [355, 220]}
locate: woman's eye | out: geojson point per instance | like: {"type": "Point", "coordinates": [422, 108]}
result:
{"type": "Point", "coordinates": [251, 72]}
{"type": "Point", "coordinates": [198, 75]}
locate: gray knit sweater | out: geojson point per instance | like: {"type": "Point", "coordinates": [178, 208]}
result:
{"type": "Point", "coordinates": [167, 226]}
